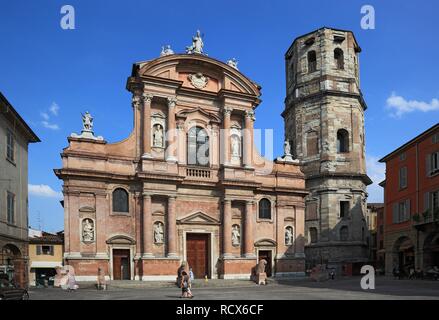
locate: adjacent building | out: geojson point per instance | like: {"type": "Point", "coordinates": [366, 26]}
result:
{"type": "Point", "coordinates": [324, 122]}
{"type": "Point", "coordinates": [46, 252]}
{"type": "Point", "coordinates": [411, 196]}
{"type": "Point", "coordinates": [187, 184]}
{"type": "Point", "coordinates": [374, 218]}
{"type": "Point", "coordinates": [15, 136]}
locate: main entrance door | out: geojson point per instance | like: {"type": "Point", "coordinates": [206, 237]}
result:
{"type": "Point", "coordinates": [266, 254]}
{"type": "Point", "coordinates": [197, 248]}
{"type": "Point", "coordinates": [121, 264]}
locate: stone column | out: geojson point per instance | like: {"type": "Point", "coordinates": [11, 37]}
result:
{"type": "Point", "coordinates": [226, 135]}
{"type": "Point", "coordinates": [136, 100]}
{"type": "Point", "coordinates": [172, 228]}
{"type": "Point", "coordinates": [248, 138]}
{"type": "Point", "coordinates": [147, 226]}
{"type": "Point", "coordinates": [227, 228]}
{"type": "Point", "coordinates": [147, 98]}
{"type": "Point", "coordinates": [171, 131]}
{"type": "Point", "coordinates": [248, 236]}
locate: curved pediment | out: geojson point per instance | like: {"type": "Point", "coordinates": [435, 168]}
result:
{"type": "Point", "coordinates": [265, 243]}
{"type": "Point", "coordinates": [199, 218]}
{"type": "Point", "coordinates": [202, 114]}
{"type": "Point", "coordinates": [198, 72]}
{"type": "Point", "coordinates": [120, 239]}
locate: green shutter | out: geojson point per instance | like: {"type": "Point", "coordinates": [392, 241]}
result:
{"type": "Point", "coordinates": [426, 201]}
{"type": "Point", "coordinates": [407, 211]}
{"type": "Point", "coordinates": [38, 250]}
{"type": "Point", "coordinates": [51, 251]}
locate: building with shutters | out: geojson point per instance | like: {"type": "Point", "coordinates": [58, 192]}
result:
{"type": "Point", "coordinates": [187, 184]}
{"type": "Point", "coordinates": [411, 196]}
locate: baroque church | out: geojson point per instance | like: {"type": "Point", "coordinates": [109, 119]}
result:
{"type": "Point", "coordinates": [188, 183]}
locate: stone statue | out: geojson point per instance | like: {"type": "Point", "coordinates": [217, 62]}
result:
{"type": "Point", "coordinates": [236, 236]}
{"type": "Point", "coordinates": [288, 236]}
{"type": "Point", "coordinates": [287, 148]}
{"type": "Point", "coordinates": [166, 51]}
{"type": "Point", "coordinates": [197, 44]}
{"type": "Point", "coordinates": [88, 230]}
{"type": "Point", "coordinates": [287, 158]}
{"type": "Point", "coordinates": [87, 122]}
{"type": "Point", "coordinates": [158, 136]}
{"type": "Point", "coordinates": [235, 146]}
{"type": "Point", "coordinates": [158, 233]}
{"type": "Point", "coordinates": [233, 63]}
{"type": "Point", "coordinates": [87, 128]}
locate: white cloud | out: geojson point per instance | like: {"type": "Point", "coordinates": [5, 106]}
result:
{"type": "Point", "coordinates": [45, 116]}
{"type": "Point", "coordinates": [398, 105]}
{"type": "Point", "coordinates": [51, 126]}
{"type": "Point", "coordinates": [54, 108]}
{"type": "Point", "coordinates": [43, 190]}
{"type": "Point", "coordinates": [377, 173]}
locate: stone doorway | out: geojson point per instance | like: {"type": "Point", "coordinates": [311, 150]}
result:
{"type": "Point", "coordinates": [121, 264]}
{"type": "Point", "coordinates": [197, 248]}
{"type": "Point", "coordinates": [266, 254]}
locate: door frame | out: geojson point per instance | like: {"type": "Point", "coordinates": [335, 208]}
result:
{"type": "Point", "coordinates": [272, 250]}
{"type": "Point", "coordinates": [131, 258]}
{"type": "Point", "coordinates": [210, 247]}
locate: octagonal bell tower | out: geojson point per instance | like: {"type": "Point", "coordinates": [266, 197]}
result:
{"type": "Point", "coordinates": [324, 122]}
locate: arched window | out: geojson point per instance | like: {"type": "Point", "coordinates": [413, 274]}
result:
{"type": "Point", "coordinates": [312, 61]}
{"type": "Point", "coordinates": [264, 209]}
{"type": "Point", "coordinates": [120, 200]}
{"type": "Point", "coordinates": [312, 235]}
{"type": "Point", "coordinates": [197, 147]}
{"type": "Point", "coordinates": [344, 233]}
{"type": "Point", "coordinates": [342, 141]}
{"type": "Point", "coordinates": [339, 58]}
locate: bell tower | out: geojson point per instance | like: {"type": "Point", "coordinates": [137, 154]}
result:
{"type": "Point", "coordinates": [324, 122]}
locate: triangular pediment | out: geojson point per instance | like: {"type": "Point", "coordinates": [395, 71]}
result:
{"type": "Point", "coordinates": [207, 116]}
{"type": "Point", "coordinates": [198, 218]}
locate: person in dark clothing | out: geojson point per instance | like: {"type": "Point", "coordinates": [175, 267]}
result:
{"type": "Point", "coordinates": [185, 285]}
{"type": "Point", "coordinates": [179, 273]}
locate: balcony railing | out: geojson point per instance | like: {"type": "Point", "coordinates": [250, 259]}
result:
{"type": "Point", "coordinates": [198, 173]}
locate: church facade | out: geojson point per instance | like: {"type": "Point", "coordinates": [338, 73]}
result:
{"type": "Point", "coordinates": [188, 183]}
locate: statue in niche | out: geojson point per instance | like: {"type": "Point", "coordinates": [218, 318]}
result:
{"type": "Point", "coordinates": [158, 233]}
{"type": "Point", "coordinates": [287, 148]}
{"type": "Point", "coordinates": [88, 231]}
{"type": "Point", "coordinates": [236, 236]}
{"type": "Point", "coordinates": [288, 236]}
{"type": "Point", "coordinates": [158, 136]}
{"type": "Point", "coordinates": [235, 146]}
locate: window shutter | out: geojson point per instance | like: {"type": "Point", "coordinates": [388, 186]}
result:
{"type": "Point", "coordinates": [426, 201]}
{"type": "Point", "coordinates": [38, 250]}
{"type": "Point", "coordinates": [408, 211]}
{"type": "Point", "coordinates": [395, 213]}
{"type": "Point", "coordinates": [51, 250]}
{"type": "Point", "coordinates": [428, 165]}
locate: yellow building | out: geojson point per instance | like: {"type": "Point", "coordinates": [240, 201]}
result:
{"type": "Point", "coordinates": [46, 252]}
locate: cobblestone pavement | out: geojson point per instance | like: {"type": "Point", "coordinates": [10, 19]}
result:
{"type": "Point", "coordinates": [343, 289]}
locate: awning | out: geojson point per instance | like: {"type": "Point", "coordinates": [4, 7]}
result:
{"type": "Point", "coordinates": [45, 264]}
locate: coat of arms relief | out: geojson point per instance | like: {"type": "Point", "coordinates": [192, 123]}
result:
{"type": "Point", "coordinates": [198, 80]}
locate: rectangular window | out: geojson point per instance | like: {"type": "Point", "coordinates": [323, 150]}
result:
{"type": "Point", "coordinates": [436, 138]}
{"type": "Point", "coordinates": [434, 162]}
{"type": "Point", "coordinates": [381, 229]}
{"type": "Point", "coordinates": [401, 211]}
{"type": "Point", "coordinates": [402, 156]}
{"type": "Point", "coordinates": [402, 177]}
{"type": "Point", "coordinates": [344, 209]}
{"type": "Point", "coordinates": [434, 200]}
{"type": "Point", "coordinates": [10, 146]}
{"type": "Point", "coordinates": [47, 250]}
{"type": "Point", "coordinates": [11, 207]}
{"type": "Point", "coordinates": [381, 244]}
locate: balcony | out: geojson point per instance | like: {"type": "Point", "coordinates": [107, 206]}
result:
{"type": "Point", "coordinates": [198, 173]}
{"type": "Point", "coordinates": [422, 220]}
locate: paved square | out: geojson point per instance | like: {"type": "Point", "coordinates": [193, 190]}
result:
{"type": "Point", "coordinates": [341, 289]}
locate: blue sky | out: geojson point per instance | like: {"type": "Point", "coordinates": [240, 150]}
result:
{"type": "Point", "coordinates": [51, 75]}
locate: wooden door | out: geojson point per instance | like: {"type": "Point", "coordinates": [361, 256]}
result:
{"type": "Point", "coordinates": [266, 254]}
{"type": "Point", "coordinates": [197, 248]}
{"type": "Point", "coordinates": [121, 264]}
